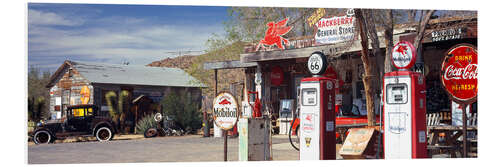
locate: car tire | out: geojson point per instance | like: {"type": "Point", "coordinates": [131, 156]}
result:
{"type": "Point", "coordinates": [151, 132]}
{"type": "Point", "coordinates": [104, 134]}
{"type": "Point", "coordinates": [42, 137]}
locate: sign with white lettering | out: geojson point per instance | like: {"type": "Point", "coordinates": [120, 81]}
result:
{"type": "Point", "coordinates": [459, 73]}
{"type": "Point", "coordinates": [317, 63]}
{"type": "Point", "coordinates": [403, 55]}
{"type": "Point", "coordinates": [225, 111]}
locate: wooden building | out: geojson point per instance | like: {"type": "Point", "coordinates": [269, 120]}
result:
{"type": "Point", "coordinates": [77, 82]}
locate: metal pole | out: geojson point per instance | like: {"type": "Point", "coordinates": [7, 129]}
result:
{"type": "Point", "coordinates": [464, 130]}
{"type": "Point", "coordinates": [225, 144]}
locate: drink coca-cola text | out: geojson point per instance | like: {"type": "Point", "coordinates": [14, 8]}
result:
{"type": "Point", "coordinates": [469, 72]}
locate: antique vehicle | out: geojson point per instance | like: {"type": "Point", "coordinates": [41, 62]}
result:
{"type": "Point", "coordinates": [81, 120]}
{"type": "Point", "coordinates": [165, 127]}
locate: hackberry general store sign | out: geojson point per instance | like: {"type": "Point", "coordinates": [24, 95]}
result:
{"type": "Point", "coordinates": [225, 110]}
{"type": "Point", "coordinates": [459, 73]}
{"type": "Point", "coordinates": [335, 29]}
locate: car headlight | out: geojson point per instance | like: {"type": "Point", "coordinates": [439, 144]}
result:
{"type": "Point", "coordinates": [39, 124]}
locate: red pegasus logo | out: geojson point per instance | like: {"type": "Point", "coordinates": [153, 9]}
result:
{"type": "Point", "coordinates": [402, 50]}
{"type": "Point", "coordinates": [274, 32]}
{"type": "Point", "coordinates": [224, 102]}
{"type": "Point", "coordinates": [309, 118]}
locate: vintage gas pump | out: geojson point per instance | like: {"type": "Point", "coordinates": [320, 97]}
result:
{"type": "Point", "coordinates": [404, 107]}
{"type": "Point", "coordinates": [317, 125]}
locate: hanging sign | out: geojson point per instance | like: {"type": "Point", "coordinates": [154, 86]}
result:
{"type": "Point", "coordinates": [335, 29]}
{"type": "Point", "coordinates": [404, 55]}
{"type": "Point", "coordinates": [317, 63]}
{"type": "Point", "coordinates": [225, 110]}
{"type": "Point", "coordinates": [85, 94]}
{"type": "Point", "coordinates": [459, 73]}
{"type": "Point", "coordinates": [276, 76]}
{"type": "Point", "coordinates": [274, 34]}
{"type": "Point", "coordinates": [318, 14]}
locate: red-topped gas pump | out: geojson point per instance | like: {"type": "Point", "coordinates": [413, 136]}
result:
{"type": "Point", "coordinates": [317, 112]}
{"type": "Point", "coordinates": [404, 107]}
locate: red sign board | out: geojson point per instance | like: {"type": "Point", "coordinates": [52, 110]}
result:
{"type": "Point", "coordinates": [274, 33]}
{"type": "Point", "coordinates": [459, 73]}
{"type": "Point", "coordinates": [276, 76]}
{"type": "Point", "coordinates": [403, 55]}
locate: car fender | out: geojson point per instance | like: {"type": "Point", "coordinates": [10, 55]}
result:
{"type": "Point", "coordinates": [108, 124]}
{"type": "Point", "coordinates": [39, 129]}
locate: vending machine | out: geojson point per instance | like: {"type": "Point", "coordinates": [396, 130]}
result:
{"type": "Point", "coordinates": [404, 109]}
{"type": "Point", "coordinates": [317, 113]}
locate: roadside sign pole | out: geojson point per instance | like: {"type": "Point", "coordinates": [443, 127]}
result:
{"type": "Point", "coordinates": [464, 129]}
{"type": "Point", "coordinates": [225, 144]}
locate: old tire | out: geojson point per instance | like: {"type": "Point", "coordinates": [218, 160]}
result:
{"type": "Point", "coordinates": [42, 137]}
{"type": "Point", "coordinates": [151, 132]}
{"type": "Point", "coordinates": [104, 134]}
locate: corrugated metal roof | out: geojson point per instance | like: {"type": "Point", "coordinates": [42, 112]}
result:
{"type": "Point", "coordinates": [135, 75]}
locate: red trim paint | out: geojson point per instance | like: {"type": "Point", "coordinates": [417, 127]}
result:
{"type": "Point", "coordinates": [327, 139]}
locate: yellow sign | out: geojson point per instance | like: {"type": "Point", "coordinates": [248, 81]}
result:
{"type": "Point", "coordinates": [314, 18]}
{"type": "Point", "coordinates": [85, 92]}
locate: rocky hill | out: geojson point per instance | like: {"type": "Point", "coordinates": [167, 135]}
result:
{"type": "Point", "coordinates": [182, 62]}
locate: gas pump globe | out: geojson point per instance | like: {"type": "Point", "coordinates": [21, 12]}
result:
{"type": "Point", "coordinates": [404, 107]}
{"type": "Point", "coordinates": [317, 107]}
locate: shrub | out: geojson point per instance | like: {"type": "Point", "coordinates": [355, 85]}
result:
{"type": "Point", "coordinates": [182, 109]}
{"type": "Point", "coordinates": [145, 123]}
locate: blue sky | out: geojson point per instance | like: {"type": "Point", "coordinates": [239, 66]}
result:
{"type": "Point", "coordinates": [114, 33]}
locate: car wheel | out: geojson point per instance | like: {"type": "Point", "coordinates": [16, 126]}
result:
{"type": "Point", "coordinates": [42, 137]}
{"type": "Point", "coordinates": [151, 132]}
{"type": "Point", "coordinates": [104, 134]}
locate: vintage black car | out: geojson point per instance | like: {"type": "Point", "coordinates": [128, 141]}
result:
{"type": "Point", "coordinates": [81, 120]}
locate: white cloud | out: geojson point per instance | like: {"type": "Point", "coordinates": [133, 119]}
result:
{"type": "Point", "coordinates": [36, 17]}
{"type": "Point", "coordinates": [136, 44]}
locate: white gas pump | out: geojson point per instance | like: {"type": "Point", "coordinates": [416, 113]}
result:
{"type": "Point", "coordinates": [404, 107]}
{"type": "Point", "coordinates": [317, 112]}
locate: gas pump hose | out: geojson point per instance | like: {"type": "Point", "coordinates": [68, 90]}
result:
{"type": "Point", "coordinates": [290, 134]}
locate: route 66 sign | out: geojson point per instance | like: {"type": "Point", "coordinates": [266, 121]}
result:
{"type": "Point", "coordinates": [317, 63]}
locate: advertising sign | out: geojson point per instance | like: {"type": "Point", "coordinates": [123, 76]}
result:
{"type": "Point", "coordinates": [276, 76]}
{"type": "Point", "coordinates": [274, 33]}
{"type": "Point", "coordinates": [459, 73]}
{"type": "Point", "coordinates": [225, 111]}
{"type": "Point", "coordinates": [317, 63]}
{"type": "Point", "coordinates": [335, 29]}
{"type": "Point", "coordinates": [404, 55]}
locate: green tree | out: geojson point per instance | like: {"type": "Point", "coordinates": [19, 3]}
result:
{"type": "Point", "coordinates": [182, 109]}
{"type": "Point", "coordinates": [38, 94]}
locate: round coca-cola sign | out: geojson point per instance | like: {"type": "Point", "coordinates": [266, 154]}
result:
{"type": "Point", "coordinates": [459, 73]}
{"type": "Point", "coordinates": [276, 76]}
{"type": "Point", "coordinates": [403, 55]}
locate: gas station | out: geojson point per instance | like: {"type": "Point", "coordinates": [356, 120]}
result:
{"type": "Point", "coordinates": [315, 94]}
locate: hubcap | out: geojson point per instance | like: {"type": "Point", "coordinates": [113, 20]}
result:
{"type": "Point", "coordinates": [103, 134]}
{"type": "Point", "coordinates": [42, 137]}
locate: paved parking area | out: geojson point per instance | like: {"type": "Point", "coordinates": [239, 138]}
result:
{"type": "Point", "coordinates": [191, 148]}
